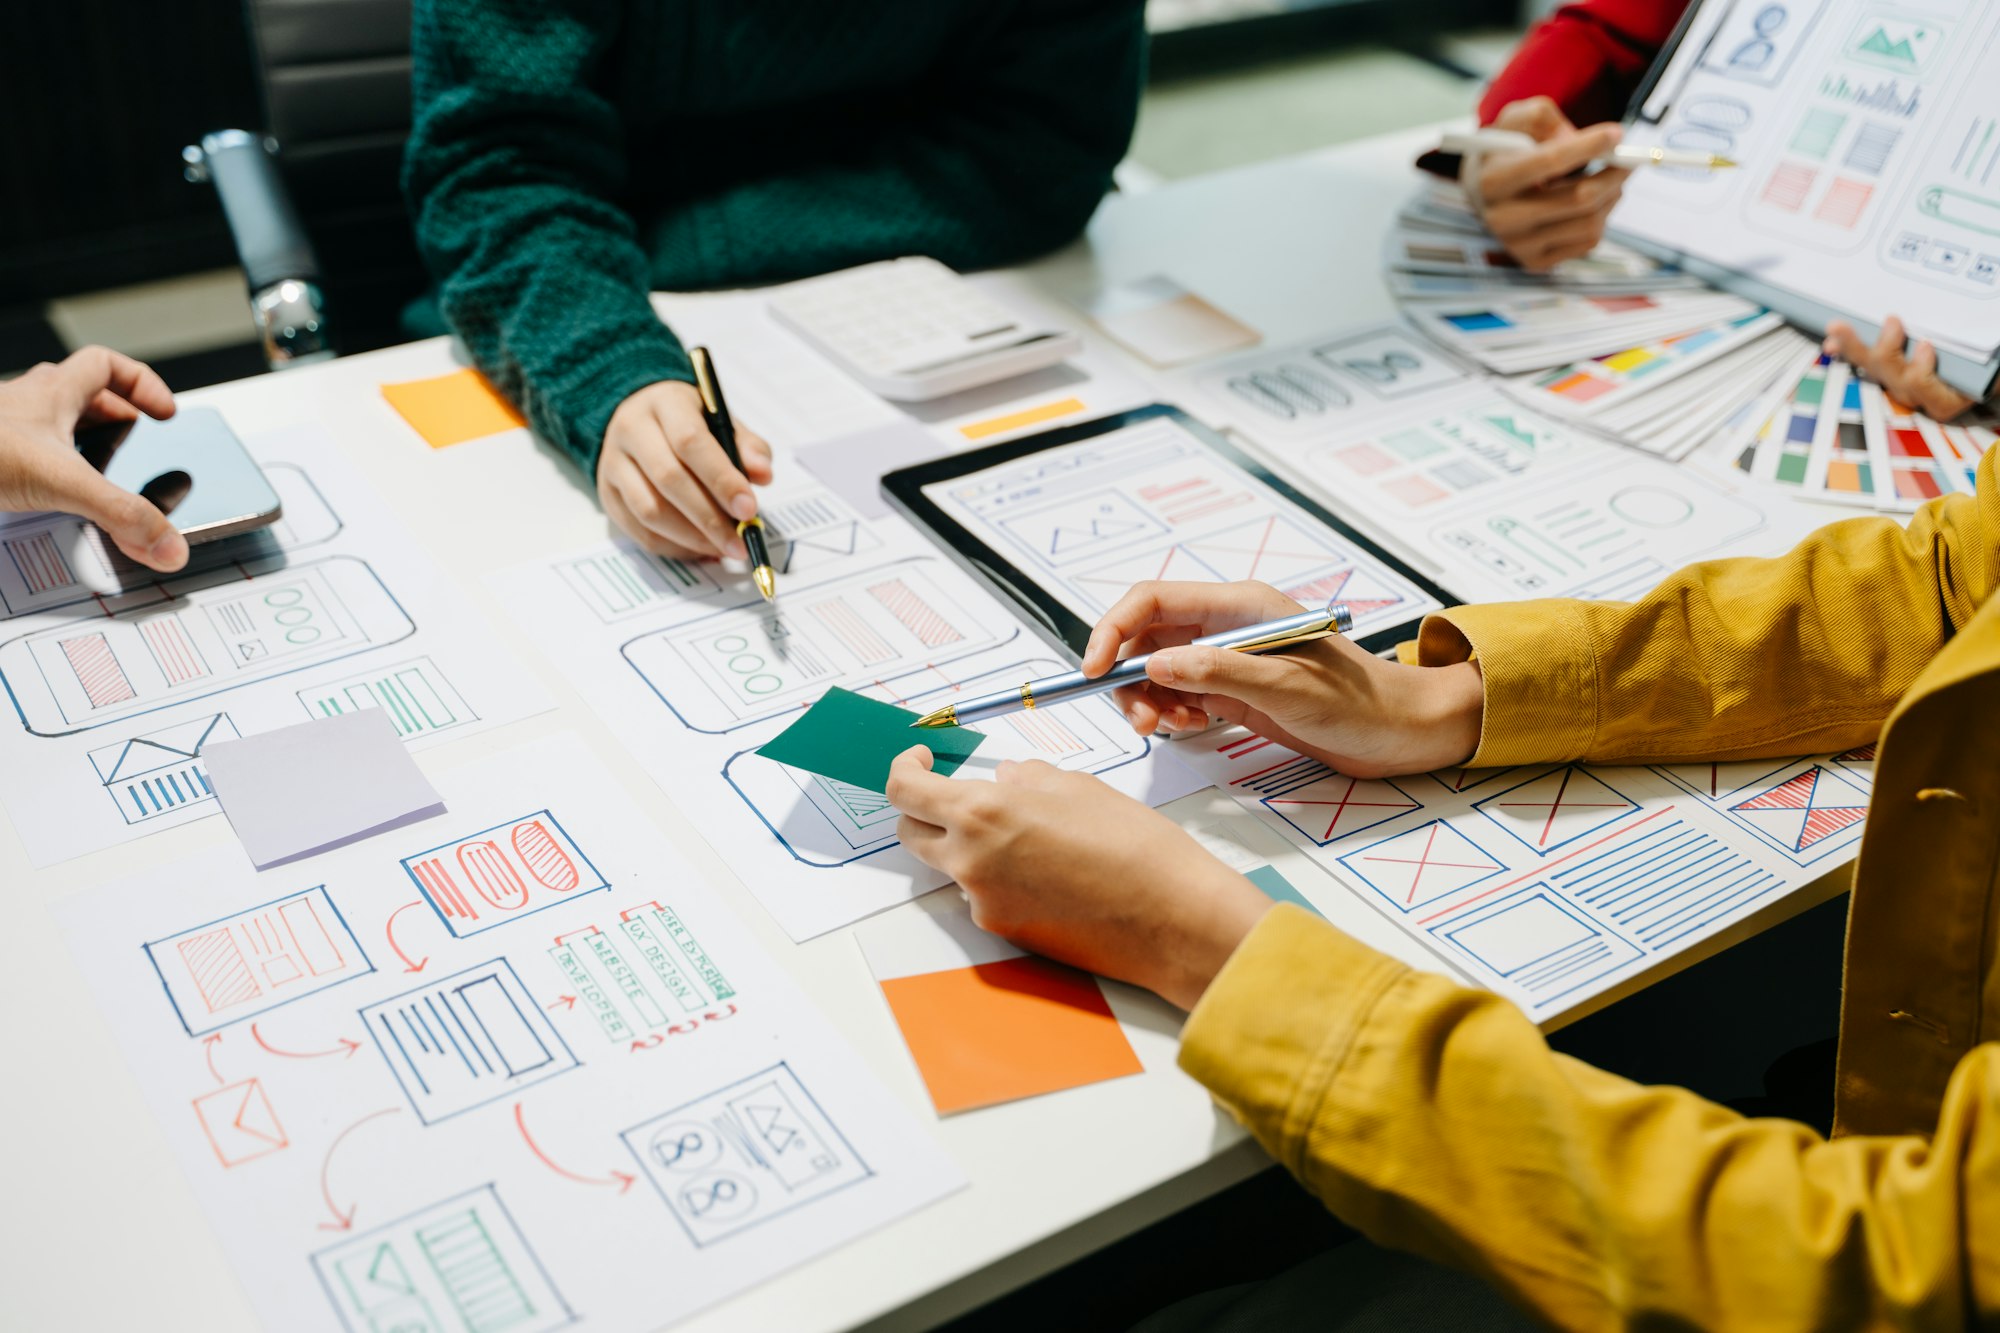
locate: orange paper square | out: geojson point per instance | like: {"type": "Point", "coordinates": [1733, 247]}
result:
{"type": "Point", "coordinates": [454, 408]}
{"type": "Point", "coordinates": [996, 1032]}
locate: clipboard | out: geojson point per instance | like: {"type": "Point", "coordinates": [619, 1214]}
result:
{"type": "Point", "coordinates": [1651, 101]}
{"type": "Point", "coordinates": [1056, 524]}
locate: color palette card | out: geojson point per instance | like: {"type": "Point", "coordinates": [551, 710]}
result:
{"type": "Point", "coordinates": [1512, 333]}
{"type": "Point", "coordinates": [1586, 389]}
{"type": "Point", "coordinates": [853, 739]}
{"type": "Point", "coordinates": [985, 1022]}
{"type": "Point", "coordinates": [1828, 434]}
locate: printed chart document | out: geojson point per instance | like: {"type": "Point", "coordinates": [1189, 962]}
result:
{"type": "Point", "coordinates": [1867, 130]}
{"type": "Point", "coordinates": [513, 1067]}
{"type": "Point", "coordinates": [697, 673]}
{"type": "Point", "coordinates": [1553, 883]}
{"type": "Point", "coordinates": [116, 683]}
{"type": "Point", "coordinates": [1495, 499]}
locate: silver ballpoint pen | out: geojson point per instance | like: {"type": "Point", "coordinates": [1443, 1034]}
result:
{"type": "Point", "coordinates": [1306, 627]}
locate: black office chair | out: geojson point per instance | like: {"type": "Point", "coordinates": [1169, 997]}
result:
{"type": "Point", "coordinates": [312, 199]}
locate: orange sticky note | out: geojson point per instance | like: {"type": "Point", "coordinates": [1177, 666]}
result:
{"type": "Point", "coordinates": [454, 408]}
{"type": "Point", "coordinates": [998, 1031]}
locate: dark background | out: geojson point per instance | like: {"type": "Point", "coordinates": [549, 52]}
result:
{"type": "Point", "coordinates": [97, 98]}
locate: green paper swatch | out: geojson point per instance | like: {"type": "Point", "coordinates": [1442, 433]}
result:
{"type": "Point", "coordinates": [853, 739]}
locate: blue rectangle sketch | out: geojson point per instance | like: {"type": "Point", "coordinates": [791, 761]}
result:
{"type": "Point", "coordinates": [744, 1154]}
{"type": "Point", "coordinates": [466, 1040]}
{"type": "Point", "coordinates": [1538, 943]}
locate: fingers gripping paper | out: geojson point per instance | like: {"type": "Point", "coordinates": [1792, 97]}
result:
{"type": "Point", "coordinates": [851, 738]}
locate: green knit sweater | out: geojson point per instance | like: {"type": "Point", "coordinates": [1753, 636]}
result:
{"type": "Point", "coordinates": [569, 155]}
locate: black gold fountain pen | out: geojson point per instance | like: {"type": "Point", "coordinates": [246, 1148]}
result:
{"type": "Point", "coordinates": [715, 412]}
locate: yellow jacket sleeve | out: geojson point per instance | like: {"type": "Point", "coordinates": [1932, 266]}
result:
{"type": "Point", "coordinates": [1436, 1119]}
{"type": "Point", "coordinates": [1732, 659]}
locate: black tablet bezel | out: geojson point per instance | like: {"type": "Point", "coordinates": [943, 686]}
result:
{"type": "Point", "coordinates": [904, 490]}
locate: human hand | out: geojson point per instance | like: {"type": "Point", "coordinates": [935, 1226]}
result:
{"type": "Point", "coordinates": [40, 468]}
{"type": "Point", "coordinates": [1065, 866]}
{"type": "Point", "coordinates": [664, 480]}
{"type": "Point", "coordinates": [1911, 379]}
{"type": "Point", "coordinates": [1531, 202]}
{"type": "Point", "coordinates": [1361, 715]}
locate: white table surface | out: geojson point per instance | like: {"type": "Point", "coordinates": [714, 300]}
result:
{"type": "Point", "coordinates": [99, 1228]}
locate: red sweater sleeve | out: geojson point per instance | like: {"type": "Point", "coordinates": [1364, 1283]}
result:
{"type": "Point", "coordinates": [1588, 56]}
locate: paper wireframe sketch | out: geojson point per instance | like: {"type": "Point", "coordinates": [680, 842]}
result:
{"type": "Point", "coordinates": [1554, 883]}
{"type": "Point", "coordinates": [115, 692]}
{"type": "Point", "coordinates": [1869, 178]}
{"type": "Point", "coordinates": [504, 1068]}
{"type": "Point", "coordinates": [697, 673]}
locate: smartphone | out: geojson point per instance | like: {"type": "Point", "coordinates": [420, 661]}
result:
{"type": "Point", "coordinates": [192, 467]}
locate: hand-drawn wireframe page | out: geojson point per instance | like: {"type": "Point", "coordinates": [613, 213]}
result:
{"type": "Point", "coordinates": [514, 1067]}
{"type": "Point", "coordinates": [1153, 501]}
{"type": "Point", "coordinates": [1343, 377]}
{"type": "Point", "coordinates": [113, 694]}
{"type": "Point", "coordinates": [1504, 503]}
{"type": "Point", "coordinates": [1869, 133]}
{"type": "Point", "coordinates": [1552, 883]}
{"type": "Point", "coordinates": [694, 672]}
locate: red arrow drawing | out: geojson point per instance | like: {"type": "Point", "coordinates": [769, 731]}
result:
{"type": "Point", "coordinates": [343, 1219]}
{"type": "Point", "coordinates": [390, 931]}
{"type": "Point", "coordinates": [348, 1046]}
{"type": "Point", "coordinates": [566, 1001]}
{"type": "Point", "coordinates": [622, 1179]}
{"type": "Point", "coordinates": [209, 1043]}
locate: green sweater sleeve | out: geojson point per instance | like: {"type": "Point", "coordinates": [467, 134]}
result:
{"type": "Point", "coordinates": [514, 168]}
{"type": "Point", "coordinates": [520, 167]}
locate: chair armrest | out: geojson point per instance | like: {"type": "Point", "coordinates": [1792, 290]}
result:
{"type": "Point", "coordinates": [278, 261]}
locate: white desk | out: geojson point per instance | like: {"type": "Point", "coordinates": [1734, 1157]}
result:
{"type": "Point", "coordinates": [99, 1228]}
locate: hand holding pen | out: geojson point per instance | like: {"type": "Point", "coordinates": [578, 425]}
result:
{"type": "Point", "coordinates": [1361, 715]}
{"type": "Point", "coordinates": [1545, 188]}
{"type": "Point", "coordinates": [715, 411]}
{"type": "Point", "coordinates": [1290, 631]}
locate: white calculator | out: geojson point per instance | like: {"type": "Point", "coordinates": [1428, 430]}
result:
{"type": "Point", "coordinates": [913, 330]}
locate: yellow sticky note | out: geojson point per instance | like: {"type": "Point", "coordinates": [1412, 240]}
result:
{"type": "Point", "coordinates": [454, 408]}
{"type": "Point", "coordinates": [980, 430]}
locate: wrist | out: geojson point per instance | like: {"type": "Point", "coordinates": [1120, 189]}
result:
{"type": "Point", "coordinates": [1224, 912]}
{"type": "Point", "coordinates": [1457, 714]}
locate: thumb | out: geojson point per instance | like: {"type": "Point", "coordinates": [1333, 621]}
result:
{"type": "Point", "coordinates": [132, 522]}
{"type": "Point", "coordinates": [1224, 671]}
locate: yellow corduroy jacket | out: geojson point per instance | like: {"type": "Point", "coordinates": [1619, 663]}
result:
{"type": "Point", "coordinates": [1436, 1119]}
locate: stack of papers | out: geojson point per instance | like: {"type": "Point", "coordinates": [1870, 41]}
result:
{"type": "Point", "coordinates": [1640, 354]}
{"type": "Point", "coordinates": [1671, 395]}
{"type": "Point", "coordinates": [1440, 251]}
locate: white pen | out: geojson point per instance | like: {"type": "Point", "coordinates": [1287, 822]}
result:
{"type": "Point", "coordinates": [1626, 155]}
